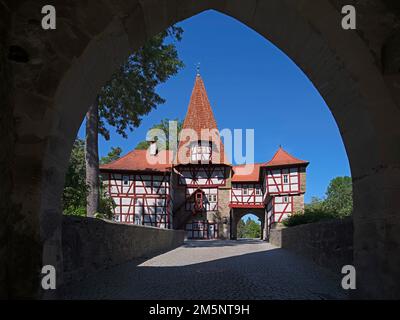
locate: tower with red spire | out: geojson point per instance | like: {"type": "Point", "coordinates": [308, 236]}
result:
{"type": "Point", "coordinates": [203, 171]}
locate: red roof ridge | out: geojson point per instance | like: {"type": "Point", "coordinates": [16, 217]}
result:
{"type": "Point", "coordinates": [282, 157]}
{"type": "Point", "coordinates": [136, 160]}
{"type": "Point", "coordinates": [104, 166]}
{"type": "Point", "coordinates": [253, 176]}
{"type": "Point", "coordinates": [248, 164]}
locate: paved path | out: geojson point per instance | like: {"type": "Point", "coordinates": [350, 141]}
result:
{"type": "Point", "coordinates": [245, 269]}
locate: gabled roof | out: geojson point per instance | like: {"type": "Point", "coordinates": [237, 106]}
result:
{"type": "Point", "coordinates": [140, 160]}
{"type": "Point", "coordinates": [246, 173]}
{"type": "Point", "coordinates": [283, 158]}
{"type": "Point", "coordinates": [200, 116]}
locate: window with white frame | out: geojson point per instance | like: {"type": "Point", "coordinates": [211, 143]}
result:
{"type": "Point", "coordinates": [212, 197]}
{"type": "Point", "coordinates": [258, 191]}
{"type": "Point", "coordinates": [286, 199]}
{"type": "Point", "coordinates": [245, 190]}
{"type": "Point", "coordinates": [285, 178]}
{"type": "Point", "coordinates": [201, 151]}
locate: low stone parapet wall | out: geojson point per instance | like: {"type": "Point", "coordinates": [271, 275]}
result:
{"type": "Point", "coordinates": [91, 244]}
{"type": "Point", "coordinates": [328, 244]}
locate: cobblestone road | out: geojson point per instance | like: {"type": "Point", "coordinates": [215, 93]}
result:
{"type": "Point", "coordinates": [245, 269]}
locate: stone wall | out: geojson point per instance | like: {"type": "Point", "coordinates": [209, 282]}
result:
{"type": "Point", "coordinates": [298, 203]}
{"type": "Point", "coordinates": [90, 244]}
{"type": "Point", "coordinates": [328, 244]}
{"type": "Point", "coordinates": [7, 143]}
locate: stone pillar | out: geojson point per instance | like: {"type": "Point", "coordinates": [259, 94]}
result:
{"type": "Point", "coordinates": [233, 225]}
{"type": "Point", "coordinates": [377, 235]}
{"type": "Point", "coordinates": [262, 230]}
{"type": "Point", "coordinates": [7, 143]}
{"type": "Point", "coordinates": [265, 226]}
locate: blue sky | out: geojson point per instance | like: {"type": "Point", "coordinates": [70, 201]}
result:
{"type": "Point", "coordinates": [250, 84]}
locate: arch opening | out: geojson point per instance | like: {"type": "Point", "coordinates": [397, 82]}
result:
{"type": "Point", "coordinates": [337, 63]}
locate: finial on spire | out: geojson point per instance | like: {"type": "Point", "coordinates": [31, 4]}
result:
{"type": "Point", "coordinates": [198, 68]}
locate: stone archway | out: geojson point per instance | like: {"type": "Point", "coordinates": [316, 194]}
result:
{"type": "Point", "coordinates": [56, 74]}
{"type": "Point", "coordinates": [238, 213]}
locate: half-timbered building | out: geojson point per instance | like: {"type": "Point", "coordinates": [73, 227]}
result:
{"type": "Point", "coordinates": [197, 189]}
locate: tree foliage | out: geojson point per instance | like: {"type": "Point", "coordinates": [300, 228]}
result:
{"type": "Point", "coordinates": [338, 203]}
{"type": "Point", "coordinates": [130, 94]}
{"type": "Point", "coordinates": [249, 229]}
{"type": "Point", "coordinates": [75, 188]}
{"type": "Point", "coordinates": [240, 229]}
{"type": "Point", "coordinates": [114, 154]}
{"type": "Point", "coordinates": [161, 142]}
{"type": "Point", "coordinates": [126, 98]}
{"type": "Point", "coordinates": [339, 196]}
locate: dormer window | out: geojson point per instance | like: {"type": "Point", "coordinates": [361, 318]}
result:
{"type": "Point", "coordinates": [201, 151]}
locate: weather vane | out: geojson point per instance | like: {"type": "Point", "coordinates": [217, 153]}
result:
{"type": "Point", "coordinates": [198, 68]}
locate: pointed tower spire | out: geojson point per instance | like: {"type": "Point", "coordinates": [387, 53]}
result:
{"type": "Point", "coordinates": [200, 116]}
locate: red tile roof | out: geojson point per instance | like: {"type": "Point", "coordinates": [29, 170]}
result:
{"type": "Point", "coordinates": [140, 160]}
{"type": "Point", "coordinates": [200, 116]}
{"type": "Point", "coordinates": [246, 173]}
{"type": "Point", "coordinates": [282, 158]}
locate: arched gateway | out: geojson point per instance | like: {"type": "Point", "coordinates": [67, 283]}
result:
{"type": "Point", "coordinates": [50, 78]}
{"type": "Point", "coordinates": [205, 195]}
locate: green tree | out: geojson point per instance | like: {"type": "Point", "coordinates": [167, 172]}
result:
{"type": "Point", "coordinates": [316, 204]}
{"type": "Point", "coordinates": [161, 143]}
{"type": "Point", "coordinates": [75, 189]}
{"type": "Point", "coordinates": [339, 196]}
{"type": "Point", "coordinates": [249, 229]}
{"type": "Point", "coordinates": [113, 155]}
{"type": "Point", "coordinates": [337, 204]}
{"type": "Point", "coordinates": [240, 229]}
{"type": "Point", "coordinates": [252, 229]}
{"type": "Point", "coordinates": [126, 98]}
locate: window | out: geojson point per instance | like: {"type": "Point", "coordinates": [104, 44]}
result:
{"type": "Point", "coordinates": [137, 219]}
{"type": "Point", "coordinates": [245, 191]}
{"type": "Point", "coordinates": [126, 180]}
{"type": "Point", "coordinates": [286, 199]}
{"type": "Point", "coordinates": [258, 192]}
{"type": "Point", "coordinates": [212, 197]}
{"type": "Point", "coordinates": [285, 178]}
{"type": "Point", "coordinates": [161, 191]}
{"type": "Point", "coordinates": [200, 151]}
